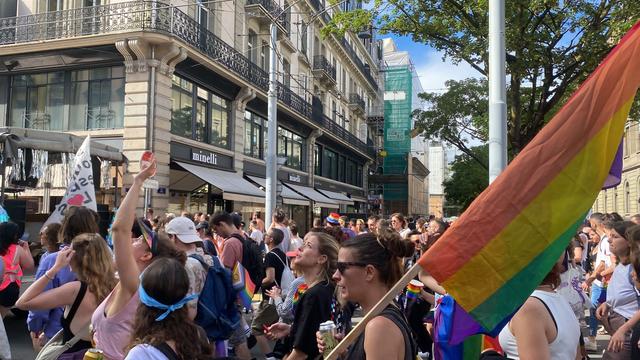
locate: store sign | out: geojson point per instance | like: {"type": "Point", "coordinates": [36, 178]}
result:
{"type": "Point", "coordinates": [205, 157]}
{"type": "Point", "coordinates": [294, 178]}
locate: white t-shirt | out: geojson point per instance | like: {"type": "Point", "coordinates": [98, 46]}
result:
{"type": "Point", "coordinates": [257, 236]}
{"type": "Point", "coordinates": [284, 245]}
{"type": "Point", "coordinates": [604, 254]}
{"type": "Point", "coordinates": [296, 243]}
{"type": "Point", "coordinates": [145, 352]}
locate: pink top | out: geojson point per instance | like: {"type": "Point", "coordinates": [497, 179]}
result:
{"type": "Point", "coordinates": [113, 334]}
{"type": "Point", "coordinates": [12, 270]}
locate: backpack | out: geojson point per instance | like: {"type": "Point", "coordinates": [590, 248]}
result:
{"type": "Point", "coordinates": [217, 312]}
{"type": "Point", "coordinates": [287, 276]}
{"type": "Point", "coordinates": [252, 260]}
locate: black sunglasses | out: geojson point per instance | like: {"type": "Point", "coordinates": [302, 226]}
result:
{"type": "Point", "coordinates": [343, 266]}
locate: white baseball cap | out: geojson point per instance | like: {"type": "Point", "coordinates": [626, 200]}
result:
{"type": "Point", "coordinates": [184, 229]}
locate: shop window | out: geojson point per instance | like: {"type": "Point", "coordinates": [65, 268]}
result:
{"type": "Point", "coordinates": [341, 162]}
{"type": "Point", "coordinates": [317, 160]}
{"type": "Point", "coordinates": [330, 164]}
{"type": "Point", "coordinates": [255, 135]}
{"type": "Point", "coordinates": [74, 100]}
{"type": "Point", "coordinates": [209, 122]}
{"type": "Point", "coordinates": [290, 145]}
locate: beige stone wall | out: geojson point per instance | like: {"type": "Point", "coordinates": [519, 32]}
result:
{"type": "Point", "coordinates": [436, 204]}
{"type": "Point", "coordinates": [624, 199]}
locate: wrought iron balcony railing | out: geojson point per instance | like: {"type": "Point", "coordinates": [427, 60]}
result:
{"type": "Point", "coordinates": [331, 126]}
{"type": "Point", "coordinates": [320, 63]}
{"type": "Point", "coordinates": [366, 70]}
{"type": "Point", "coordinates": [356, 102]}
{"type": "Point", "coordinates": [158, 17]}
{"type": "Point", "coordinates": [274, 11]}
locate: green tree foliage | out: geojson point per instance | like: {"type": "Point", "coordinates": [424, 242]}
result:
{"type": "Point", "coordinates": [551, 45]}
{"type": "Point", "coordinates": [469, 178]}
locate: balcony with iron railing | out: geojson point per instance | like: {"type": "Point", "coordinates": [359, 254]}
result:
{"type": "Point", "coordinates": [364, 68]}
{"type": "Point", "coordinates": [161, 18]}
{"type": "Point", "coordinates": [333, 127]}
{"type": "Point", "coordinates": [323, 69]}
{"type": "Point", "coordinates": [273, 12]}
{"type": "Point", "coordinates": [356, 103]}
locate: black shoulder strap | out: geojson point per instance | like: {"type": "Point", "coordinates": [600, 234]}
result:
{"type": "Point", "coordinates": [77, 301]}
{"type": "Point", "coordinates": [548, 310]}
{"type": "Point", "coordinates": [167, 351]}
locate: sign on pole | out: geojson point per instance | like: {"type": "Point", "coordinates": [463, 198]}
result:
{"type": "Point", "coordinates": [80, 191]}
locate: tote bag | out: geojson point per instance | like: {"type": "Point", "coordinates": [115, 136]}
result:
{"type": "Point", "coordinates": [55, 347]}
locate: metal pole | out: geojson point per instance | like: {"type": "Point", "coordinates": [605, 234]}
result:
{"type": "Point", "coordinates": [271, 157]}
{"type": "Point", "coordinates": [497, 91]}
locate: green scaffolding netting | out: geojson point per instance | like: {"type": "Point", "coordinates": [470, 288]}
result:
{"type": "Point", "coordinates": [397, 127]}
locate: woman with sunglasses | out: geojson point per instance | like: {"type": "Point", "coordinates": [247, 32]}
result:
{"type": "Point", "coordinates": [112, 321]}
{"type": "Point", "coordinates": [368, 266]}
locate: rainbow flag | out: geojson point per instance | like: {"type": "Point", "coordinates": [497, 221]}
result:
{"type": "Point", "coordinates": [243, 284]}
{"type": "Point", "coordinates": [505, 243]}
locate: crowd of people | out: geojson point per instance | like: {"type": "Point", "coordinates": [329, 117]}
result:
{"type": "Point", "coordinates": [172, 287]}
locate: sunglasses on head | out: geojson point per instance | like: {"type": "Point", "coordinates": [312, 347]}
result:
{"type": "Point", "coordinates": [344, 265]}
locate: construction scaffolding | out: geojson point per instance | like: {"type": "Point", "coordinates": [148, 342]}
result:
{"type": "Point", "coordinates": [397, 128]}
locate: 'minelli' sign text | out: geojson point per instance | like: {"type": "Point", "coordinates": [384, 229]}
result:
{"type": "Point", "coordinates": [204, 157]}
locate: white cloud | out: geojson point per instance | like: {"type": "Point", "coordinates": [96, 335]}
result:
{"type": "Point", "coordinates": [433, 72]}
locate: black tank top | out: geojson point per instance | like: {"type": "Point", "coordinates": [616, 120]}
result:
{"type": "Point", "coordinates": [393, 313]}
{"type": "Point", "coordinates": [66, 322]}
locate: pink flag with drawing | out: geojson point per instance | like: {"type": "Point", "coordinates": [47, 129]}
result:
{"type": "Point", "coordinates": [80, 190]}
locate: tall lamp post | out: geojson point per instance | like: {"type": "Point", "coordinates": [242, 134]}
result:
{"type": "Point", "coordinates": [497, 91]}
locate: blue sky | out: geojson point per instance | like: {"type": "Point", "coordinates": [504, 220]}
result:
{"type": "Point", "coordinates": [431, 69]}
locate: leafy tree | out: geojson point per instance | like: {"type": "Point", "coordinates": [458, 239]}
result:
{"type": "Point", "coordinates": [552, 46]}
{"type": "Point", "coordinates": [469, 178]}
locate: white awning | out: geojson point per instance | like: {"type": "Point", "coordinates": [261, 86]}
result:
{"type": "Point", "coordinates": [233, 186]}
{"type": "Point", "coordinates": [319, 199]}
{"type": "Point", "coordinates": [288, 196]}
{"type": "Point", "coordinates": [340, 198]}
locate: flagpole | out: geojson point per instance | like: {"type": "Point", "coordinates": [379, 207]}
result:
{"type": "Point", "coordinates": [497, 91]}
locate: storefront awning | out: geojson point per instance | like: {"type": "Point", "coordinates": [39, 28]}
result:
{"type": "Point", "coordinates": [233, 186]}
{"type": "Point", "coordinates": [288, 196]}
{"type": "Point", "coordinates": [359, 199]}
{"type": "Point", "coordinates": [340, 198]}
{"type": "Point", "coordinates": [319, 199]}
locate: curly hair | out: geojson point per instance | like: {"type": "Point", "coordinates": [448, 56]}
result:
{"type": "Point", "coordinates": [78, 220]}
{"type": "Point", "coordinates": [167, 282]}
{"type": "Point", "coordinates": [93, 264]}
{"type": "Point", "coordinates": [383, 251]}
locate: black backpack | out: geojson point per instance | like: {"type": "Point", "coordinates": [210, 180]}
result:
{"type": "Point", "coordinates": [252, 260]}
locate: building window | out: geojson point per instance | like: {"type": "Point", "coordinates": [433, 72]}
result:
{"type": "Point", "coordinates": [255, 135]}
{"type": "Point", "coordinates": [252, 45]}
{"type": "Point", "coordinates": [209, 122]}
{"type": "Point", "coordinates": [341, 162]}
{"type": "Point", "coordinates": [317, 160]}
{"type": "Point", "coordinates": [303, 38]}
{"type": "Point", "coordinates": [182, 107]}
{"type": "Point", "coordinates": [264, 56]}
{"type": "Point", "coordinates": [286, 73]}
{"type": "Point", "coordinates": [290, 145]}
{"type": "Point", "coordinates": [72, 100]}
{"type": "Point", "coordinates": [330, 164]}
{"type": "Point", "coordinates": [627, 198]}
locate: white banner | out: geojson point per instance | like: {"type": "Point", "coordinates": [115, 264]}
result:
{"type": "Point", "coordinates": [80, 191]}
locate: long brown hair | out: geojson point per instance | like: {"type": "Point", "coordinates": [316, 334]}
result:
{"type": "Point", "coordinates": [167, 282]}
{"type": "Point", "coordinates": [93, 264]}
{"type": "Point", "coordinates": [383, 251]}
{"type": "Point", "coordinates": [78, 220]}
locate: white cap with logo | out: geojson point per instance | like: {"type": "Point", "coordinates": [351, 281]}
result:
{"type": "Point", "coordinates": [184, 229]}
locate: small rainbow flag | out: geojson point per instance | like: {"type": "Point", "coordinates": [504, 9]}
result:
{"type": "Point", "coordinates": [505, 243]}
{"type": "Point", "coordinates": [243, 284]}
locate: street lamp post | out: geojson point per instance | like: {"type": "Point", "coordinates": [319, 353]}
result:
{"type": "Point", "coordinates": [272, 106]}
{"type": "Point", "coordinates": [497, 91]}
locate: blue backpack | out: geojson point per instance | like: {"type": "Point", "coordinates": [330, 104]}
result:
{"type": "Point", "coordinates": [217, 311]}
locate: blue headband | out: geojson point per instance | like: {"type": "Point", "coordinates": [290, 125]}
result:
{"type": "Point", "coordinates": [151, 302]}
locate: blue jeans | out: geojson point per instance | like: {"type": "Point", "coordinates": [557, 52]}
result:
{"type": "Point", "coordinates": [598, 296]}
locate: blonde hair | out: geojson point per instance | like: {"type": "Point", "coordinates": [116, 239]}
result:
{"type": "Point", "coordinates": [93, 264]}
{"type": "Point", "coordinates": [328, 246]}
